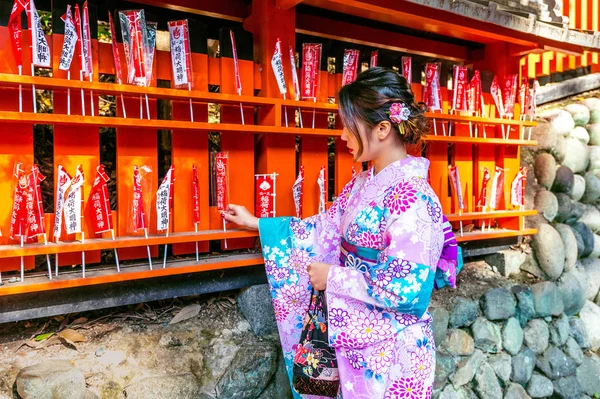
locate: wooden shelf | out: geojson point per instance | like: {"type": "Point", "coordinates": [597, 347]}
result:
{"type": "Point", "coordinates": [496, 233]}
{"type": "Point", "coordinates": [478, 120]}
{"type": "Point", "coordinates": [104, 275]}
{"type": "Point", "coordinates": [102, 121]}
{"type": "Point", "coordinates": [489, 215]}
{"type": "Point", "coordinates": [479, 140]}
{"type": "Point", "coordinates": [13, 80]}
{"type": "Point", "coordinates": [10, 251]}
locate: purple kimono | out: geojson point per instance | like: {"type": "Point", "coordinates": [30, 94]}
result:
{"type": "Point", "coordinates": [384, 236]}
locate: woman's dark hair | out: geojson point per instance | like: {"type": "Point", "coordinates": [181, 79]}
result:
{"type": "Point", "coordinates": [368, 99]}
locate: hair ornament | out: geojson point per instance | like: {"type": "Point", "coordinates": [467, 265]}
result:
{"type": "Point", "coordinates": [399, 113]}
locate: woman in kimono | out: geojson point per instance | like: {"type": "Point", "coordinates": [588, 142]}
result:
{"type": "Point", "coordinates": [375, 252]}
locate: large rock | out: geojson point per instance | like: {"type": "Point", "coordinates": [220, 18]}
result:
{"type": "Point", "coordinates": [249, 372]}
{"type": "Point", "coordinates": [596, 251]}
{"type": "Point", "coordinates": [487, 335]}
{"type": "Point", "coordinates": [573, 350]}
{"type": "Point", "coordinates": [564, 203]}
{"type": "Point", "coordinates": [182, 386]}
{"type": "Point", "coordinates": [570, 244]}
{"type": "Point", "coordinates": [549, 251]}
{"type": "Point", "coordinates": [547, 299]}
{"type": "Point", "coordinates": [562, 121]}
{"type": "Point", "coordinates": [567, 388]}
{"type": "Point", "coordinates": [532, 265]}
{"type": "Point", "coordinates": [576, 154]}
{"type": "Point", "coordinates": [454, 393]}
{"type": "Point", "coordinates": [588, 376]}
{"type": "Point", "coordinates": [445, 365]}
{"type": "Point", "coordinates": [52, 379]}
{"type": "Point", "coordinates": [512, 336]}
{"type": "Point", "coordinates": [587, 238]}
{"type": "Point", "coordinates": [515, 391]}
{"type": "Point", "coordinates": [546, 204]}
{"type": "Point", "coordinates": [592, 276]}
{"type": "Point", "coordinates": [465, 370]}
{"type": "Point", "coordinates": [563, 180]}
{"type": "Point", "coordinates": [545, 170]}
{"type": "Point", "coordinates": [580, 134]}
{"type": "Point", "coordinates": [555, 364]}
{"type": "Point", "coordinates": [594, 165]}
{"type": "Point", "coordinates": [464, 312]}
{"type": "Point", "coordinates": [458, 343]}
{"type": "Point", "coordinates": [592, 188]}
{"type": "Point", "coordinates": [577, 210]}
{"type": "Point", "coordinates": [507, 261]}
{"type": "Point", "coordinates": [486, 383]}
{"type": "Point", "coordinates": [559, 330]}
{"type": "Point", "coordinates": [257, 307]}
{"type": "Point", "coordinates": [502, 365]}
{"type": "Point", "coordinates": [536, 335]}
{"type": "Point", "coordinates": [546, 136]}
{"type": "Point", "coordinates": [590, 316]}
{"type": "Point", "coordinates": [440, 318]}
{"type": "Point", "coordinates": [498, 304]}
{"type": "Point", "coordinates": [539, 386]}
{"type": "Point", "coordinates": [591, 218]}
{"type": "Point", "coordinates": [593, 104]}
{"type": "Point", "coordinates": [579, 332]}
{"type": "Point", "coordinates": [279, 387]}
{"type": "Point", "coordinates": [522, 366]}
{"type": "Point", "coordinates": [594, 131]}
{"type": "Point", "coordinates": [578, 187]}
{"type": "Point", "coordinates": [525, 303]}
{"type": "Point", "coordinates": [580, 113]}
{"type": "Point", "coordinates": [572, 293]}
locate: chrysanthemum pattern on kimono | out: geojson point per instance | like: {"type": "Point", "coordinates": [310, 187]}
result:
{"type": "Point", "coordinates": [383, 236]}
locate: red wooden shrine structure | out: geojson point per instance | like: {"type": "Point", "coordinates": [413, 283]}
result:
{"type": "Point", "coordinates": [263, 144]}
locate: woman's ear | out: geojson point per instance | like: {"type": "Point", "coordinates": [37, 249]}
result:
{"type": "Point", "coordinates": [383, 129]}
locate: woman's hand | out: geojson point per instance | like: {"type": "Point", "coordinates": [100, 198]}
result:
{"type": "Point", "coordinates": [241, 216]}
{"type": "Point", "coordinates": [318, 272]}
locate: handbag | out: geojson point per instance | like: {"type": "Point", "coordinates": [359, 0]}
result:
{"type": "Point", "coordinates": [315, 370]}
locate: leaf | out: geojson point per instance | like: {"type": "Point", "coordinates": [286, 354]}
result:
{"type": "Point", "coordinates": [186, 313]}
{"type": "Point", "coordinates": [42, 337]}
{"type": "Point", "coordinates": [71, 336]}
{"type": "Point", "coordinates": [80, 320]}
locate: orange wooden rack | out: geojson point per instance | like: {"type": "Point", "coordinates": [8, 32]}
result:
{"type": "Point", "coordinates": [262, 145]}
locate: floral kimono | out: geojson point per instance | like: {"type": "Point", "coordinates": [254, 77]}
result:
{"type": "Point", "coordinates": [385, 236]}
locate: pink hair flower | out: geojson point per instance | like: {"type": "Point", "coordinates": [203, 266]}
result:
{"type": "Point", "coordinates": [399, 113]}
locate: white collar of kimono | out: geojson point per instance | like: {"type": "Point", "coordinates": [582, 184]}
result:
{"type": "Point", "coordinates": [405, 168]}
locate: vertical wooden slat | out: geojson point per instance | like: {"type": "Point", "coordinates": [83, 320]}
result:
{"type": "Point", "coordinates": [16, 144]}
{"type": "Point", "coordinates": [240, 145]}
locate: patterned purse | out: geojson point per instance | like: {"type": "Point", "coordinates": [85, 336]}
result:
{"type": "Point", "coordinates": [315, 366]}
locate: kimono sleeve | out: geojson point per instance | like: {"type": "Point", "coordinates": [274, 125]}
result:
{"type": "Point", "coordinates": [317, 237]}
{"type": "Point", "coordinates": [403, 278]}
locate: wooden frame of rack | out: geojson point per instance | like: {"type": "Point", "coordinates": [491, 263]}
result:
{"type": "Point", "coordinates": [262, 145]}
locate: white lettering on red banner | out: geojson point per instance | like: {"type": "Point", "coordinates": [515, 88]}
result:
{"type": "Point", "coordinates": [496, 93]}
{"type": "Point", "coordinates": [14, 30]}
{"type": "Point", "coordinates": [295, 81]}
{"type": "Point", "coordinates": [99, 203]}
{"type": "Point", "coordinates": [265, 196]}
{"type": "Point", "coordinates": [311, 62]}
{"type": "Point", "coordinates": [510, 94]}
{"type": "Point", "coordinates": [222, 178]}
{"type": "Point", "coordinates": [18, 219]}
{"type": "Point", "coordinates": [351, 58]}
{"type": "Point", "coordinates": [459, 95]}
{"type": "Point", "coordinates": [236, 64]}
{"type": "Point", "coordinates": [115, 50]}
{"type": "Point", "coordinates": [407, 68]}
{"type": "Point", "coordinates": [195, 195]}
{"type": "Point", "coordinates": [34, 204]}
{"type": "Point", "coordinates": [137, 211]}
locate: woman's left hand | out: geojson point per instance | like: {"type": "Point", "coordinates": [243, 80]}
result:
{"type": "Point", "coordinates": [318, 272]}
